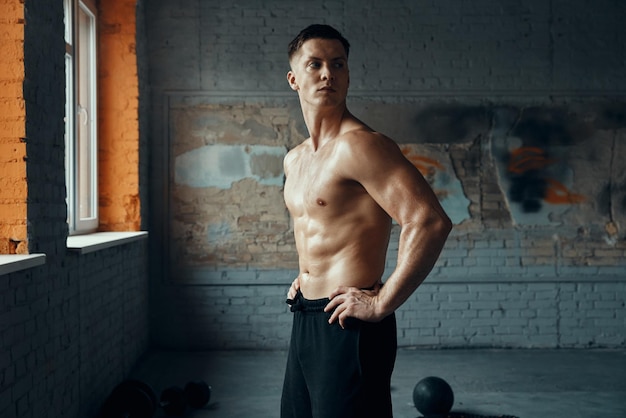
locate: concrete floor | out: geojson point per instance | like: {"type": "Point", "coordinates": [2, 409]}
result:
{"type": "Point", "coordinates": [521, 383]}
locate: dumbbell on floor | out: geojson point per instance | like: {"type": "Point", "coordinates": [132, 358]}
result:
{"type": "Point", "coordinates": [136, 399]}
{"type": "Point", "coordinates": [130, 399]}
{"type": "Point", "coordinates": [175, 400]}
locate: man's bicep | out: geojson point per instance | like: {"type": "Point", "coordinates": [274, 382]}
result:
{"type": "Point", "coordinates": [398, 187]}
{"type": "Point", "coordinates": [404, 193]}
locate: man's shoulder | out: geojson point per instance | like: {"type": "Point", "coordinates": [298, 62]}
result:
{"type": "Point", "coordinates": [365, 139]}
{"type": "Point", "coordinates": [366, 153]}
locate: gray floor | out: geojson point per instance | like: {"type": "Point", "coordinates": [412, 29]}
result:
{"type": "Point", "coordinates": [522, 383]}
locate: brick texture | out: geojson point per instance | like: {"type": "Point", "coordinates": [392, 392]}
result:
{"type": "Point", "coordinates": [400, 46]}
{"type": "Point", "coordinates": [13, 191]}
{"type": "Point", "coordinates": [72, 332]}
{"type": "Point", "coordinates": [73, 328]}
{"type": "Point", "coordinates": [455, 78]}
{"type": "Point", "coordinates": [118, 119]}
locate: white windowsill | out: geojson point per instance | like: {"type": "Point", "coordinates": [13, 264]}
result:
{"type": "Point", "coordinates": [89, 243]}
{"type": "Point", "coordinates": [83, 244]}
{"type": "Point", "coordinates": [10, 263]}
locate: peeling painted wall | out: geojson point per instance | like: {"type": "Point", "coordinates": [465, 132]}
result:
{"type": "Point", "coordinates": [514, 113]}
{"type": "Point", "coordinates": [558, 166]}
{"type": "Point", "coordinates": [226, 184]}
{"type": "Point", "coordinates": [222, 165]}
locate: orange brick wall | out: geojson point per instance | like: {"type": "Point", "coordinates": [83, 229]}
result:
{"type": "Point", "coordinates": [13, 187]}
{"type": "Point", "coordinates": [118, 124]}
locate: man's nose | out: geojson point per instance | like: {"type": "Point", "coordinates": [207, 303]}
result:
{"type": "Point", "coordinates": [327, 73]}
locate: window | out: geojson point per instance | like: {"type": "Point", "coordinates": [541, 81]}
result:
{"type": "Point", "coordinates": [80, 116]}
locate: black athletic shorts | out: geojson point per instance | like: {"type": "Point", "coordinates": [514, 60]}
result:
{"type": "Point", "coordinates": [334, 372]}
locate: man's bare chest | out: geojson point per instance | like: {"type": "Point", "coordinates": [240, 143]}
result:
{"type": "Point", "coordinates": [313, 186]}
{"type": "Point", "coordinates": [308, 188]}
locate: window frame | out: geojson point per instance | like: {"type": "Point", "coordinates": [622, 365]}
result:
{"type": "Point", "coordinates": [81, 145]}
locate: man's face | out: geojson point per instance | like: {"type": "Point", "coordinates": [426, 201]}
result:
{"type": "Point", "coordinates": [319, 72]}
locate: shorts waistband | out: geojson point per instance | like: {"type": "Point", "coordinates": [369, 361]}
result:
{"type": "Point", "coordinates": [300, 303]}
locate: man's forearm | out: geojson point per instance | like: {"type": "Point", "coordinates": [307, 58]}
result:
{"type": "Point", "coordinates": [418, 250]}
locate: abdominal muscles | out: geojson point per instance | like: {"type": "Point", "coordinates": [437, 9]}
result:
{"type": "Point", "coordinates": [348, 254]}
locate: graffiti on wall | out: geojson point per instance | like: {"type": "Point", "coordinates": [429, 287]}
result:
{"type": "Point", "coordinates": [538, 155]}
{"type": "Point", "coordinates": [531, 183]}
{"type": "Point", "coordinates": [427, 166]}
{"type": "Point", "coordinates": [446, 186]}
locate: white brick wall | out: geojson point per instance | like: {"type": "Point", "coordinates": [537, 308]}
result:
{"type": "Point", "coordinates": [399, 46]}
{"type": "Point", "coordinates": [514, 315]}
{"type": "Point", "coordinates": [441, 313]}
{"type": "Point", "coordinates": [495, 284]}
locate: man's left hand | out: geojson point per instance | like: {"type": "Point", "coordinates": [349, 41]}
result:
{"type": "Point", "coordinates": [352, 302]}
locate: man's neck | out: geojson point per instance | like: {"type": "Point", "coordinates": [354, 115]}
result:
{"type": "Point", "coordinates": [324, 124]}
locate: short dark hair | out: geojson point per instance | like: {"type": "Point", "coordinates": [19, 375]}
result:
{"type": "Point", "coordinates": [317, 31]}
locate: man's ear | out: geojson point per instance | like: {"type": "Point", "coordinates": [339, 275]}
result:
{"type": "Point", "coordinates": [291, 79]}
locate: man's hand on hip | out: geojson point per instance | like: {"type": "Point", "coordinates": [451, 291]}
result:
{"type": "Point", "coordinates": [352, 302]}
